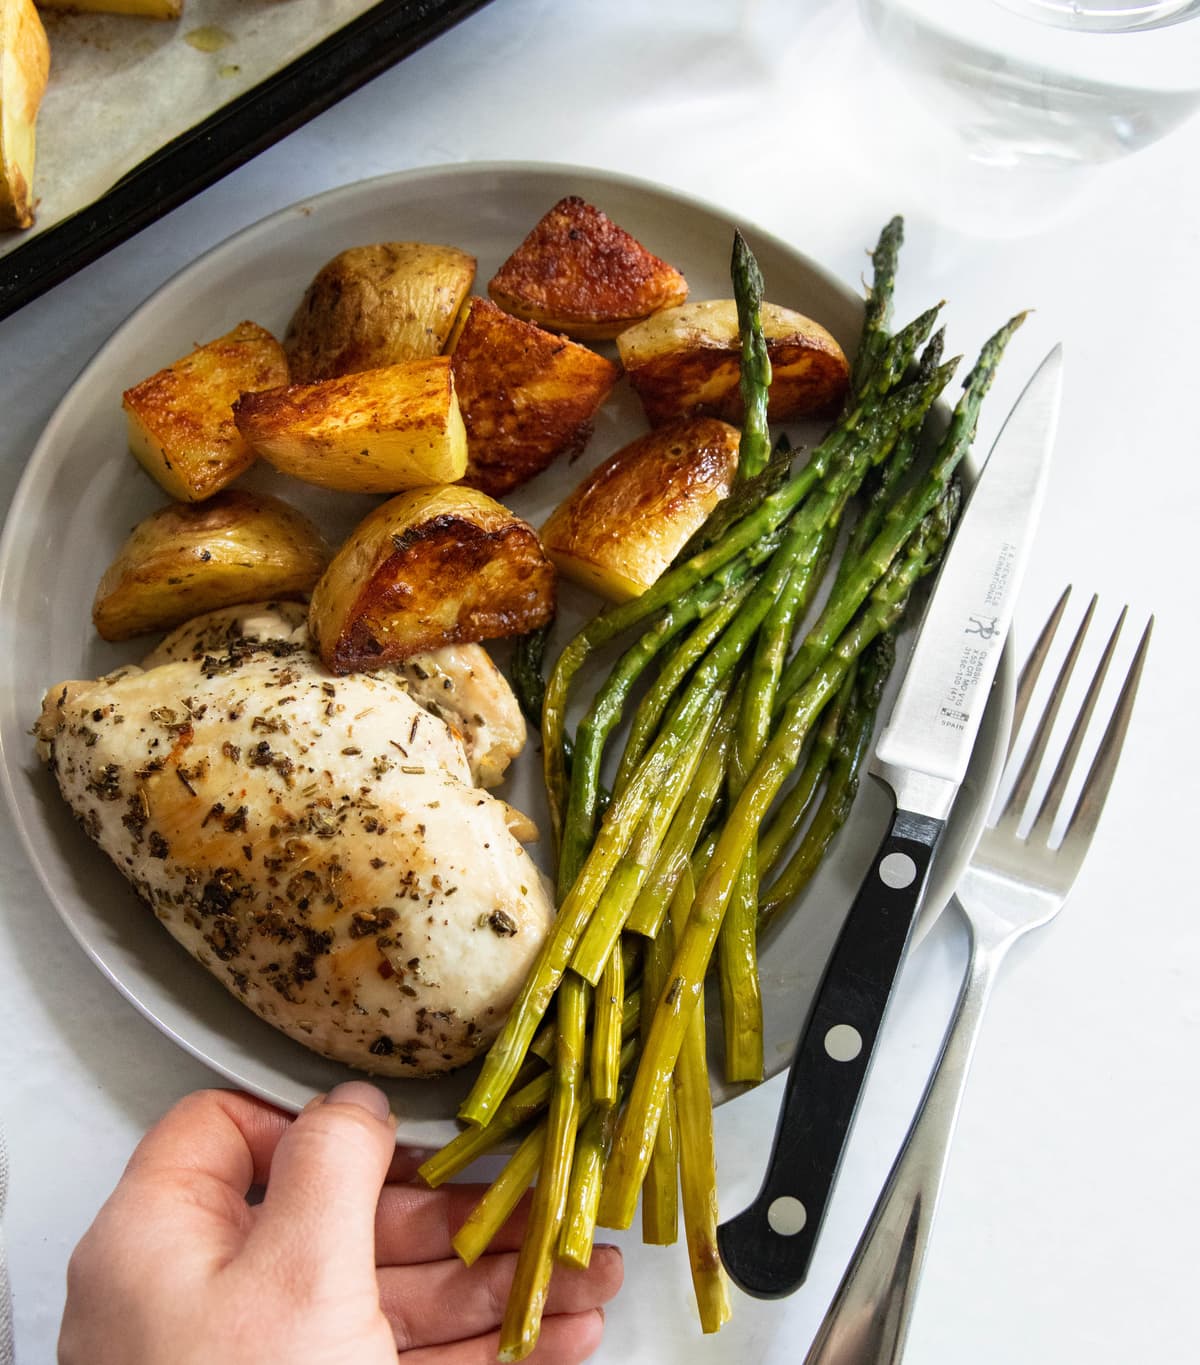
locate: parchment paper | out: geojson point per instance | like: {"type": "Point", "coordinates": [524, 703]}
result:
{"type": "Point", "coordinates": [121, 87]}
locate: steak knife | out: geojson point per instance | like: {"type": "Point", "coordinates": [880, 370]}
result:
{"type": "Point", "coordinates": [922, 755]}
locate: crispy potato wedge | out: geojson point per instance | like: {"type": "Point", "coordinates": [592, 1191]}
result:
{"type": "Point", "coordinates": [187, 558]}
{"type": "Point", "coordinates": [686, 360]}
{"type": "Point", "coordinates": [24, 69]}
{"type": "Point", "coordinates": [527, 396]}
{"type": "Point", "coordinates": [374, 432]}
{"type": "Point", "coordinates": [578, 272]}
{"type": "Point", "coordinates": [181, 427]}
{"type": "Point", "coordinates": [377, 305]}
{"type": "Point", "coordinates": [433, 566]}
{"type": "Point", "coordinates": [145, 9]}
{"type": "Point", "coordinates": [632, 515]}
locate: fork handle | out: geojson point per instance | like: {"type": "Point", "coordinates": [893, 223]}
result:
{"type": "Point", "coordinates": [767, 1248]}
{"type": "Point", "coordinates": [867, 1322]}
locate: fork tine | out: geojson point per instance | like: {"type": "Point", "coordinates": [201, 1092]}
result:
{"type": "Point", "coordinates": [1033, 669]}
{"type": "Point", "coordinates": [1019, 796]}
{"type": "Point", "coordinates": [1066, 764]}
{"type": "Point", "coordinates": [1104, 765]}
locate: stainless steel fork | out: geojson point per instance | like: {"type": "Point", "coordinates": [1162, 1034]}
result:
{"type": "Point", "coordinates": [1011, 885]}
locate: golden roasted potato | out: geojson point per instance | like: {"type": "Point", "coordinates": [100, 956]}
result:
{"type": "Point", "coordinates": [145, 9]}
{"type": "Point", "coordinates": [24, 68]}
{"type": "Point", "coordinates": [181, 426]}
{"type": "Point", "coordinates": [376, 305]}
{"type": "Point", "coordinates": [578, 272]}
{"type": "Point", "coordinates": [187, 558]}
{"type": "Point", "coordinates": [526, 395]}
{"type": "Point", "coordinates": [687, 359]}
{"type": "Point", "coordinates": [632, 515]}
{"type": "Point", "coordinates": [433, 566]}
{"type": "Point", "coordinates": [374, 432]}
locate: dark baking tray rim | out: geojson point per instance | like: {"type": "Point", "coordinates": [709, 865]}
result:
{"type": "Point", "coordinates": [239, 130]}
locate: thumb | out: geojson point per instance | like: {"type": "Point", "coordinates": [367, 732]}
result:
{"type": "Point", "coordinates": [318, 1214]}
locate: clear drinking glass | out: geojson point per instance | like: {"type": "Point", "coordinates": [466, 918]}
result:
{"type": "Point", "coordinates": [1056, 81]}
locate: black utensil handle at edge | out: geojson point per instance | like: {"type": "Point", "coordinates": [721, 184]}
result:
{"type": "Point", "coordinates": [767, 1249]}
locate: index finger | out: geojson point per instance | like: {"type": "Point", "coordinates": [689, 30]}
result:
{"type": "Point", "coordinates": [219, 1133]}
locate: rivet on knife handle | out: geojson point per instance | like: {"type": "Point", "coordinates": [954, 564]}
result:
{"type": "Point", "coordinates": [767, 1249]}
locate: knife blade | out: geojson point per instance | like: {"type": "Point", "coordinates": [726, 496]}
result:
{"type": "Point", "coordinates": [922, 755]}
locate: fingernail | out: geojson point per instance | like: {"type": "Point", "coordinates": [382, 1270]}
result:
{"type": "Point", "coordinates": [368, 1097]}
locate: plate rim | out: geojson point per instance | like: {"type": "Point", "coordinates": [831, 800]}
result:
{"type": "Point", "coordinates": [38, 466]}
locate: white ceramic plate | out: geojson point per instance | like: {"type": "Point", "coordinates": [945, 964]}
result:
{"type": "Point", "coordinates": [82, 493]}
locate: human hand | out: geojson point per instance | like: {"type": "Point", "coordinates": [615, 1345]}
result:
{"type": "Point", "coordinates": [334, 1267]}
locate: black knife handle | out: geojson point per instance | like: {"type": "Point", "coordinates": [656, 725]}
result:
{"type": "Point", "coordinates": [767, 1249]}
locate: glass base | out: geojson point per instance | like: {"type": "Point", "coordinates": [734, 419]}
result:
{"type": "Point", "coordinates": [1105, 16]}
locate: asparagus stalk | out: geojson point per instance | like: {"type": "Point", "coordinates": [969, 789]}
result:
{"type": "Point", "coordinates": [848, 756]}
{"type": "Point", "coordinates": [877, 309]}
{"type": "Point", "coordinates": [660, 1190]}
{"type": "Point", "coordinates": [607, 1018]}
{"type": "Point", "coordinates": [796, 804]}
{"type": "Point", "coordinates": [597, 1125]}
{"type": "Point", "coordinates": [529, 684]}
{"type": "Point", "coordinates": [522, 1320]}
{"type": "Point", "coordinates": [885, 483]}
{"type": "Point", "coordinates": [587, 1176]}
{"type": "Point", "coordinates": [501, 1197]}
{"type": "Point", "coordinates": [754, 450]}
{"type": "Point", "coordinates": [697, 1152]}
{"type": "Point", "coordinates": [737, 975]}
{"type": "Point", "coordinates": [741, 993]}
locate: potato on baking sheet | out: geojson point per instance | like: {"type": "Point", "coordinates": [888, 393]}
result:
{"type": "Point", "coordinates": [145, 9]}
{"type": "Point", "coordinates": [24, 69]}
{"type": "Point", "coordinates": [527, 396]}
{"type": "Point", "coordinates": [433, 566]}
{"type": "Point", "coordinates": [578, 272]}
{"type": "Point", "coordinates": [632, 515]}
{"type": "Point", "coordinates": [181, 427]}
{"type": "Point", "coordinates": [686, 360]}
{"type": "Point", "coordinates": [374, 432]}
{"type": "Point", "coordinates": [189, 558]}
{"type": "Point", "coordinates": [375, 305]}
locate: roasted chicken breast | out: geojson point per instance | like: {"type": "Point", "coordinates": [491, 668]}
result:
{"type": "Point", "coordinates": [316, 842]}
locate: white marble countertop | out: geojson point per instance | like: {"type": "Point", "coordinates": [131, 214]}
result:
{"type": "Point", "coordinates": [1067, 1230]}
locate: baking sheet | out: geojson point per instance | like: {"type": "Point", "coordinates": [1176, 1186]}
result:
{"type": "Point", "coordinates": [120, 87]}
{"type": "Point", "coordinates": [140, 114]}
